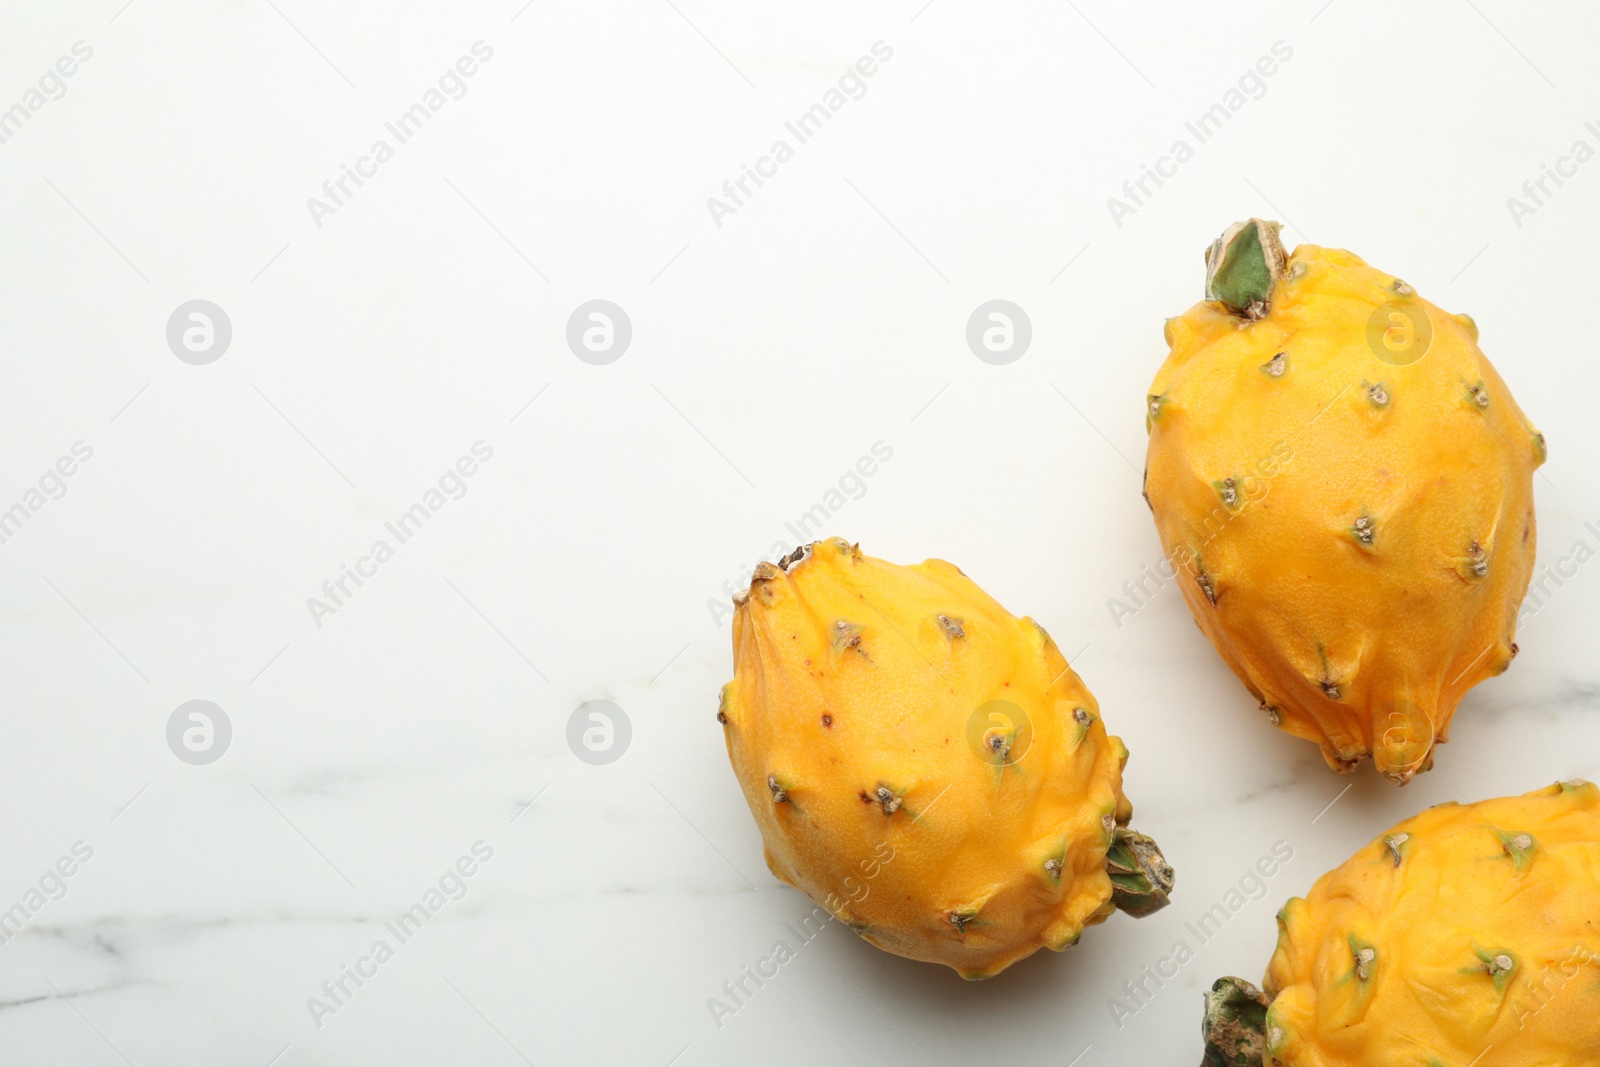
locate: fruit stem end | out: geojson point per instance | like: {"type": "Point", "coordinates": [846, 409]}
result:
{"type": "Point", "coordinates": [1235, 1026]}
{"type": "Point", "coordinates": [1244, 265]}
{"type": "Point", "coordinates": [1141, 877]}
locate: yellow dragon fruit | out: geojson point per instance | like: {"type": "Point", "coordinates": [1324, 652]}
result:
{"type": "Point", "coordinates": [1344, 486]}
{"type": "Point", "coordinates": [925, 765]}
{"type": "Point", "coordinates": [1466, 935]}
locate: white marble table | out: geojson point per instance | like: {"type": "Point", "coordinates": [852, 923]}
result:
{"type": "Point", "coordinates": [400, 745]}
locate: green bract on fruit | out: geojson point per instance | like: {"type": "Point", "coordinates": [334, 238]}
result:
{"type": "Point", "coordinates": [1344, 486]}
{"type": "Point", "coordinates": [925, 765]}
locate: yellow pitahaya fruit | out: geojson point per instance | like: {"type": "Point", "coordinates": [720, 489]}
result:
{"type": "Point", "coordinates": [925, 765]}
{"type": "Point", "coordinates": [1344, 488]}
{"type": "Point", "coordinates": [1466, 935]}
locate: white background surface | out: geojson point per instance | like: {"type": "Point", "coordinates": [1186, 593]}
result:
{"type": "Point", "coordinates": [768, 354]}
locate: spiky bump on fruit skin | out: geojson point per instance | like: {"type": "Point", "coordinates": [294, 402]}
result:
{"type": "Point", "coordinates": [932, 767]}
{"type": "Point", "coordinates": [1374, 526]}
{"type": "Point", "coordinates": [1433, 944]}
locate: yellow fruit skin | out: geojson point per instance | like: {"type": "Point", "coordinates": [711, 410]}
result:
{"type": "Point", "coordinates": [1364, 648]}
{"type": "Point", "coordinates": [1463, 891]}
{"type": "Point", "coordinates": [973, 834]}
